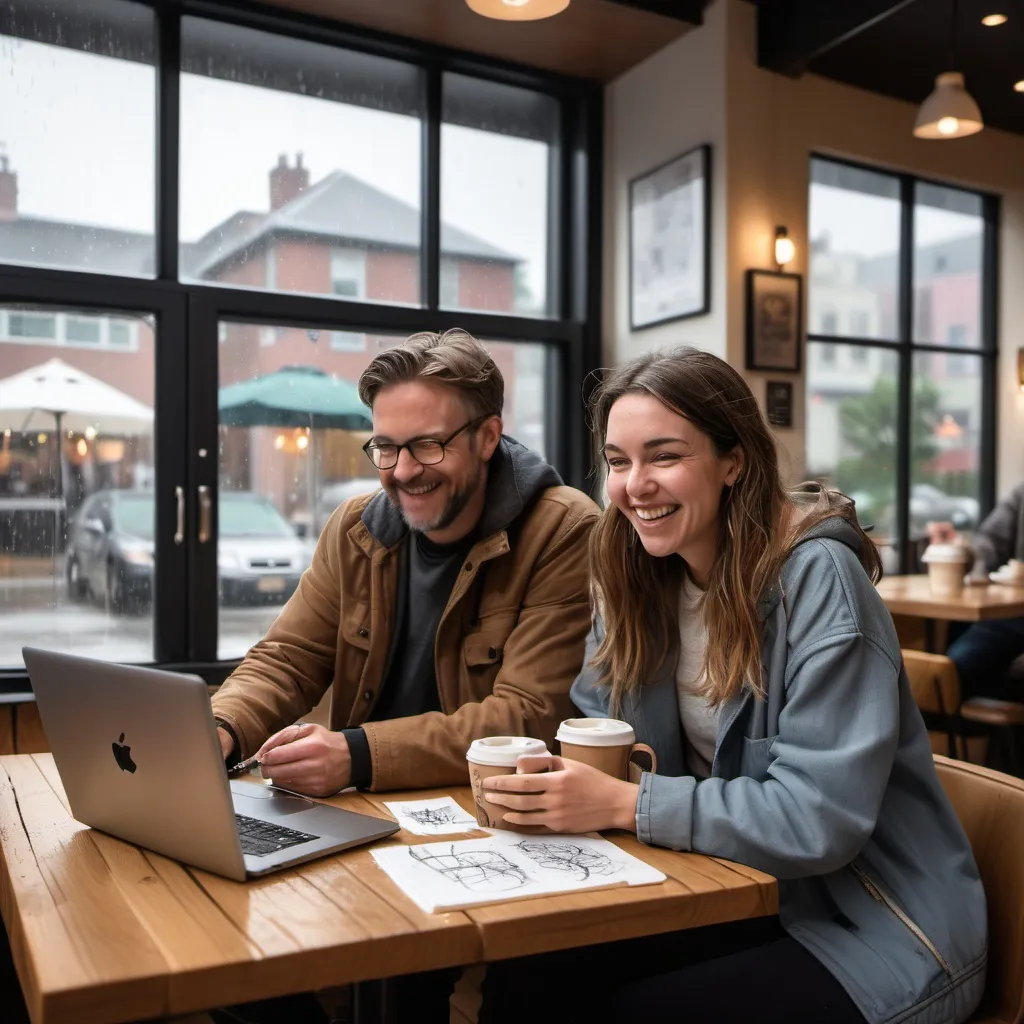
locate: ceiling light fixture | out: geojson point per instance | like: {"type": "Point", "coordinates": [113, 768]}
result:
{"type": "Point", "coordinates": [518, 10]}
{"type": "Point", "coordinates": [950, 111]}
{"type": "Point", "coordinates": [993, 20]}
{"type": "Point", "coordinates": [1018, 86]}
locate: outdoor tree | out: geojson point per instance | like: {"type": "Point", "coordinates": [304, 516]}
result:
{"type": "Point", "coordinates": [869, 426]}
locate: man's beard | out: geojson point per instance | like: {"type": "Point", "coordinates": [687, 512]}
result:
{"type": "Point", "coordinates": [455, 506]}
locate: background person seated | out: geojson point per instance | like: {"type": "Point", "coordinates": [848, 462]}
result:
{"type": "Point", "coordinates": [984, 651]}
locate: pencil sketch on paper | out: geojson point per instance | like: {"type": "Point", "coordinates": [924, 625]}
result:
{"type": "Point", "coordinates": [476, 870]}
{"type": "Point", "coordinates": [434, 816]}
{"type": "Point", "coordinates": [572, 858]}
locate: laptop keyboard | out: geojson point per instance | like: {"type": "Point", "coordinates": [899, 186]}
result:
{"type": "Point", "coordinates": [262, 838]}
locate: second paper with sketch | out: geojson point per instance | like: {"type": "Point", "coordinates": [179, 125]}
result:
{"type": "Point", "coordinates": [508, 866]}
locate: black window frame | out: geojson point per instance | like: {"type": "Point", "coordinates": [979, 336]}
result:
{"type": "Point", "coordinates": [188, 313]}
{"type": "Point", "coordinates": [906, 348]}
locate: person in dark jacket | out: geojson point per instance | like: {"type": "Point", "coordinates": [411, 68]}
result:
{"type": "Point", "coordinates": [984, 651]}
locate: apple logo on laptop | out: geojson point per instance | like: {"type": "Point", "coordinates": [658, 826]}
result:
{"type": "Point", "coordinates": [123, 755]}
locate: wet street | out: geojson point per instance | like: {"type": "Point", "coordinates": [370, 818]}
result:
{"type": "Point", "coordinates": [38, 613]}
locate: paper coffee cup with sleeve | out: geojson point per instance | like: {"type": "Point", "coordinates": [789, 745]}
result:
{"type": "Point", "coordinates": [947, 565]}
{"type": "Point", "coordinates": [496, 755]}
{"type": "Point", "coordinates": [607, 744]}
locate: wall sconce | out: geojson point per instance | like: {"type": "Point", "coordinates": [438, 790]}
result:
{"type": "Point", "coordinates": [1020, 368]}
{"type": "Point", "coordinates": [784, 248]}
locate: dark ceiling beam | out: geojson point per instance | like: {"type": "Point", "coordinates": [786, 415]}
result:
{"type": "Point", "coordinates": [690, 11]}
{"type": "Point", "coordinates": [791, 33]}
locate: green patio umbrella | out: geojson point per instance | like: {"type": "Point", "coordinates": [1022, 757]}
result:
{"type": "Point", "coordinates": [295, 396]}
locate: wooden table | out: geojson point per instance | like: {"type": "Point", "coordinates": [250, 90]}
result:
{"type": "Point", "coordinates": [103, 931]}
{"type": "Point", "coordinates": [911, 595]}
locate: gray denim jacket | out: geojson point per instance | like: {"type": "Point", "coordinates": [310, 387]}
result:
{"type": "Point", "coordinates": [829, 785]}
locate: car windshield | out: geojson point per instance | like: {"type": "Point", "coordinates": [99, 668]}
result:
{"type": "Point", "coordinates": [135, 516]}
{"type": "Point", "coordinates": [250, 516]}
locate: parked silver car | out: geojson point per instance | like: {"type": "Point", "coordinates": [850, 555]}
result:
{"type": "Point", "coordinates": [110, 550]}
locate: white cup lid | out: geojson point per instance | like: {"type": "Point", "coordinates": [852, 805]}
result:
{"type": "Point", "coordinates": [596, 732]}
{"type": "Point", "coordinates": [503, 751]}
{"type": "Point", "coordinates": [946, 553]}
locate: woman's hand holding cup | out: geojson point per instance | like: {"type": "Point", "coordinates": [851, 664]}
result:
{"type": "Point", "coordinates": [562, 795]}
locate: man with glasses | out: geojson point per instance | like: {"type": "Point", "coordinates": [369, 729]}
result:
{"type": "Point", "coordinates": [449, 605]}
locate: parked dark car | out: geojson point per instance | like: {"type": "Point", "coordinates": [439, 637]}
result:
{"type": "Point", "coordinates": [110, 550]}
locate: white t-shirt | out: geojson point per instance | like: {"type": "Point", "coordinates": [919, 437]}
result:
{"type": "Point", "coordinates": [700, 722]}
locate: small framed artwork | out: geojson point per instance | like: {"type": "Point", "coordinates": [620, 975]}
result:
{"type": "Point", "coordinates": [774, 320]}
{"type": "Point", "coordinates": [778, 403]}
{"type": "Point", "coordinates": [670, 241]}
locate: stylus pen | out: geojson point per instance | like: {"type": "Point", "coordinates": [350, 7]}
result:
{"type": "Point", "coordinates": [244, 766]}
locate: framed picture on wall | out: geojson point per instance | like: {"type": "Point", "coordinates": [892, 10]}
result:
{"type": "Point", "coordinates": [670, 241]}
{"type": "Point", "coordinates": [774, 320]}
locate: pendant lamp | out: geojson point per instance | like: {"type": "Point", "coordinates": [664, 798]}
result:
{"type": "Point", "coordinates": [950, 112]}
{"type": "Point", "coordinates": [518, 10]}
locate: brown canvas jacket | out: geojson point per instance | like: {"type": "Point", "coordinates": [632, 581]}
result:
{"type": "Point", "coordinates": [509, 644]}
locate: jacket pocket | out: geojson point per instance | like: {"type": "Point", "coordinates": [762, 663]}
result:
{"type": "Point", "coordinates": [879, 895]}
{"type": "Point", "coordinates": [355, 625]}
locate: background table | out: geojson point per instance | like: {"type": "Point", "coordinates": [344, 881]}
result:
{"type": "Point", "coordinates": [911, 595]}
{"type": "Point", "coordinates": [104, 931]}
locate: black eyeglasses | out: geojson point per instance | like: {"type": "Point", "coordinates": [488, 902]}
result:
{"type": "Point", "coordinates": [427, 451]}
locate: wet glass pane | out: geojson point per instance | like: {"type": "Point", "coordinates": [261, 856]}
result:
{"type": "Point", "coordinates": [497, 149]}
{"type": "Point", "coordinates": [948, 232]}
{"type": "Point", "coordinates": [855, 247]}
{"type": "Point", "coordinates": [76, 483]}
{"type": "Point", "coordinates": [300, 166]}
{"type": "Point", "coordinates": [852, 425]}
{"type": "Point", "coordinates": [77, 136]}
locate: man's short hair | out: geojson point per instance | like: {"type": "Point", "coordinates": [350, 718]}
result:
{"type": "Point", "coordinates": [454, 358]}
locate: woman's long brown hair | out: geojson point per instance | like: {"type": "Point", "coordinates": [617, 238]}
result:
{"type": "Point", "coordinates": [637, 595]}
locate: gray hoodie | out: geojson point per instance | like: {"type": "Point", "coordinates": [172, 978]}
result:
{"type": "Point", "coordinates": [829, 785]}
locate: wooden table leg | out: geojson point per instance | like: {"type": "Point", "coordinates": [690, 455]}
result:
{"type": "Point", "coordinates": [371, 1002]}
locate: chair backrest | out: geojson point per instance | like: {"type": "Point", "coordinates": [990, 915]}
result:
{"type": "Point", "coordinates": [933, 681]}
{"type": "Point", "coordinates": [990, 806]}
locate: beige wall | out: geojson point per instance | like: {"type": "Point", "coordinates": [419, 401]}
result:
{"type": "Point", "coordinates": [763, 135]}
{"type": "Point", "coordinates": [673, 101]}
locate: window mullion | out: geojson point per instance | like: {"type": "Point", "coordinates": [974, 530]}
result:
{"type": "Point", "coordinates": [904, 412]}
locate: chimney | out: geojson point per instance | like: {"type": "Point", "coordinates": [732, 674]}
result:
{"type": "Point", "coordinates": [287, 182]}
{"type": "Point", "coordinates": [8, 190]}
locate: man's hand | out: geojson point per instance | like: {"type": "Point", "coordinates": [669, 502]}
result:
{"type": "Point", "coordinates": [941, 533]}
{"type": "Point", "coordinates": [565, 795]}
{"type": "Point", "coordinates": [227, 744]}
{"type": "Point", "coordinates": [308, 759]}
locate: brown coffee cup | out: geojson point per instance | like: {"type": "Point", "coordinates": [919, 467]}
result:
{"type": "Point", "coordinates": [608, 745]}
{"type": "Point", "coordinates": [496, 755]}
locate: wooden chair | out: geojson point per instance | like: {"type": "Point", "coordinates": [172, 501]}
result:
{"type": "Point", "coordinates": [990, 806]}
{"type": "Point", "coordinates": [936, 688]}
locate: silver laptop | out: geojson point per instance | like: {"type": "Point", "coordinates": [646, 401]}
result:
{"type": "Point", "coordinates": [138, 754]}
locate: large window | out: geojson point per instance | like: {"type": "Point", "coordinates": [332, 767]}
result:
{"type": "Point", "coordinates": [198, 197]}
{"type": "Point", "coordinates": [900, 383]}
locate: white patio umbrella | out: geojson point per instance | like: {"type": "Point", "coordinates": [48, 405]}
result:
{"type": "Point", "coordinates": [56, 396]}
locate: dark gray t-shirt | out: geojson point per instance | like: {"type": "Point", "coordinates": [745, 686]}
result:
{"type": "Point", "coordinates": [410, 687]}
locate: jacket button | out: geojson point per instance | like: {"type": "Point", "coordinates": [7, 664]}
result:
{"type": "Point", "coordinates": [469, 567]}
{"type": "Point", "coordinates": [368, 695]}
{"type": "Point", "coordinates": [363, 632]}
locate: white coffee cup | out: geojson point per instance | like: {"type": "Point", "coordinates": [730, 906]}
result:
{"type": "Point", "coordinates": [496, 755]}
{"type": "Point", "coordinates": [1014, 571]}
{"type": "Point", "coordinates": [947, 564]}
